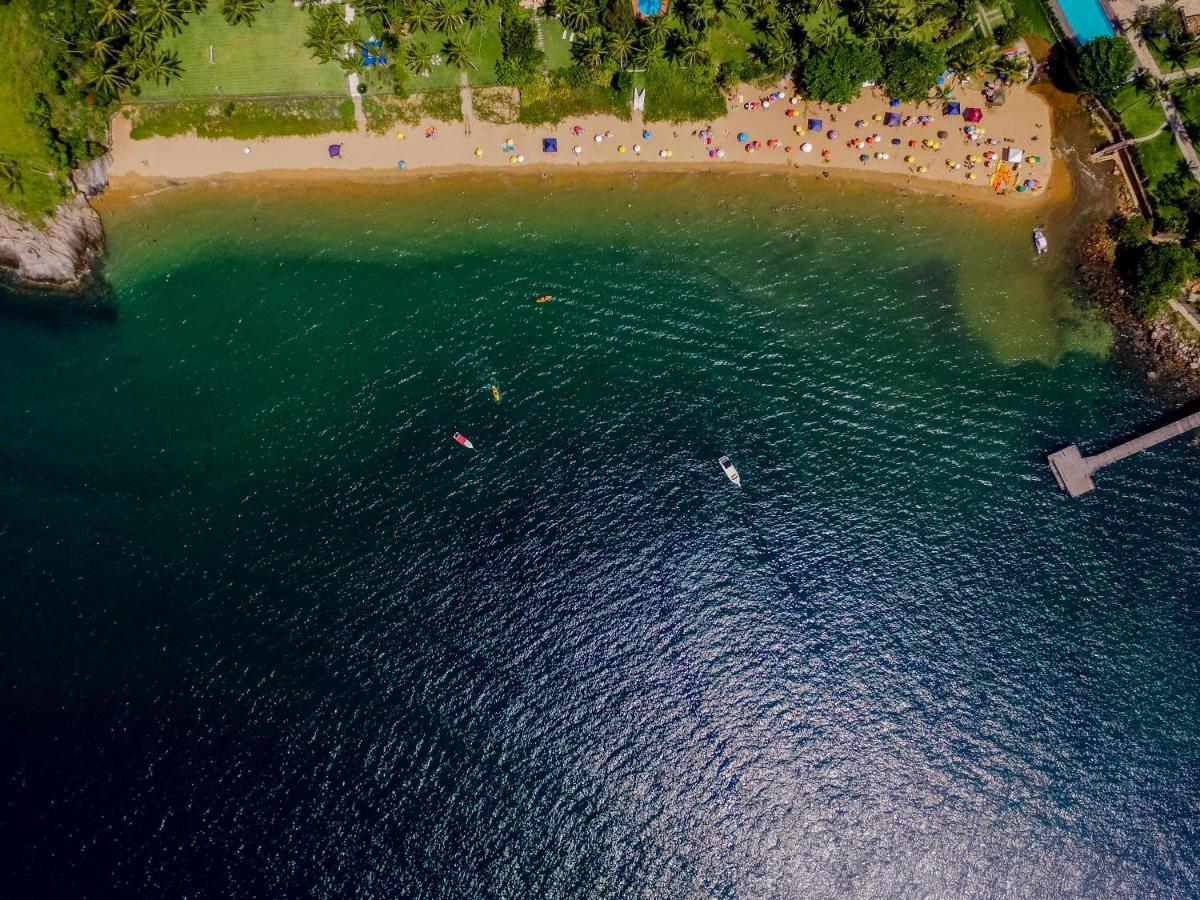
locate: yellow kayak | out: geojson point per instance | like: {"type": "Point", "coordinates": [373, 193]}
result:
{"type": "Point", "coordinates": [496, 393]}
{"type": "Point", "coordinates": [546, 298]}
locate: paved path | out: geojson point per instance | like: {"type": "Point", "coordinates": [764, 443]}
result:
{"type": "Point", "coordinates": [468, 104]}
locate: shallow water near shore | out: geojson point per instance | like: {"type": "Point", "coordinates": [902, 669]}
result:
{"type": "Point", "coordinates": [268, 631]}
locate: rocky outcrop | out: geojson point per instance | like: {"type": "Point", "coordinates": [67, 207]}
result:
{"type": "Point", "coordinates": [58, 254]}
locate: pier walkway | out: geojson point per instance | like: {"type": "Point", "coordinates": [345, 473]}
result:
{"type": "Point", "coordinates": [1073, 471]}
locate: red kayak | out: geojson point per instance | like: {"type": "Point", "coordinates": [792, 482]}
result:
{"type": "Point", "coordinates": [462, 440]}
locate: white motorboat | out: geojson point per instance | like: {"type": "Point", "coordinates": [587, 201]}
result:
{"type": "Point", "coordinates": [730, 470]}
{"type": "Point", "coordinates": [1039, 241]}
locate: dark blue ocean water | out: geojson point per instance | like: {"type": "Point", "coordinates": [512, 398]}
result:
{"type": "Point", "coordinates": [265, 630]}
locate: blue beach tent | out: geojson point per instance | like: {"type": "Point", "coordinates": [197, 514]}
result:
{"type": "Point", "coordinates": [892, 120]}
{"type": "Point", "coordinates": [815, 125]}
{"type": "Point", "coordinates": [895, 102]}
{"type": "Point", "coordinates": [952, 109]}
{"type": "Point", "coordinates": [549, 145]}
{"type": "Point", "coordinates": [335, 151]}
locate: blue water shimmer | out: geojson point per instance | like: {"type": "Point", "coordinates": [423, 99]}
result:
{"type": "Point", "coordinates": [267, 631]}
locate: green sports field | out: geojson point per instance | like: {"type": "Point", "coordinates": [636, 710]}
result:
{"type": "Point", "coordinates": [266, 58]}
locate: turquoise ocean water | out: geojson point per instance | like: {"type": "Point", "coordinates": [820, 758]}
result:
{"type": "Point", "coordinates": [267, 630]}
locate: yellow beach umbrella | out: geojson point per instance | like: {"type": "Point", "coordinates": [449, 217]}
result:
{"type": "Point", "coordinates": [620, 148]}
{"type": "Point", "coordinates": [479, 151]}
{"type": "Point", "coordinates": [922, 169]}
{"type": "Point", "coordinates": [878, 117]}
{"type": "Point", "coordinates": [970, 176]}
{"type": "Point", "coordinates": [799, 129]}
{"type": "Point", "coordinates": [399, 135]}
{"type": "Point", "coordinates": [910, 158]}
{"type": "Point", "coordinates": [512, 160]}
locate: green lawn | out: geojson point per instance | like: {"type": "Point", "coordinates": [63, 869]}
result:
{"type": "Point", "coordinates": [557, 48]}
{"type": "Point", "coordinates": [266, 58]}
{"type": "Point", "coordinates": [485, 46]}
{"type": "Point", "coordinates": [20, 141]}
{"type": "Point", "coordinates": [1167, 179]}
{"type": "Point", "coordinates": [730, 40]}
{"type": "Point", "coordinates": [1140, 114]}
{"type": "Point", "coordinates": [1158, 48]}
{"type": "Point", "coordinates": [1034, 12]}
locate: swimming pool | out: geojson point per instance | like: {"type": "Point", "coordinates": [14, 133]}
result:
{"type": "Point", "coordinates": [1086, 18]}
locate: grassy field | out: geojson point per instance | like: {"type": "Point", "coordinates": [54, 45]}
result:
{"type": "Point", "coordinates": [1140, 114]}
{"type": "Point", "coordinates": [268, 57]}
{"type": "Point", "coordinates": [242, 119]}
{"type": "Point", "coordinates": [1167, 180]}
{"type": "Point", "coordinates": [557, 48]}
{"type": "Point", "coordinates": [485, 45]}
{"type": "Point", "coordinates": [730, 40]}
{"type": "Point", "coordinates": [672, 96]}
{"type": "Point", "coordinates": [19, 141]}
{"type": "Point", "coordinates": [1037, 18]}
{"type": "Point", "coordinates": [1158, 49]}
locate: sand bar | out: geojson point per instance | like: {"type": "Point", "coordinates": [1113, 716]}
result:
{"type": "Point", "coordinates": [1022, 122]}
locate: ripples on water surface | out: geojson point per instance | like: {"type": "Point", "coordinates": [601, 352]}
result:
{"type": "Point", "coordinates": [267, 631]}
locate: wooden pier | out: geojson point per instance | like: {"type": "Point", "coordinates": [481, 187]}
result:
{"type": "Point", "coordinates": [1073, 471]}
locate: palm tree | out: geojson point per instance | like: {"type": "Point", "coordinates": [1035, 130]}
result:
{"type": "Point", "coordinates": [589, 51]}
{"type": "Point", "coordinates": [1013, 69]}
{"type": "Point", "coordinates": [974, 59]}
{"type": "Point", "coordinates": [162, 66]}
{"type": "Point", "coordinates": [100, 46]}
{"type": "Point", "coordinates": [191, 7]}
{"type": "Point", "coordinates": [475, 14]}
{"type": "Point", "coordinates": [241, 12]}
{"type": "Point", "coordinates": [10, 174]}
{"type": "Point", "coordinates": [621, 46]}
{"type": "Point", "coordinates": [417, 16]}
{"type": "Point", "coordinates": [776, 55]}
{"type": "Point", "coordinates": [107, 80]}
{"type": "Point", "coordinates": [161, 15]}
{"type": "Point", "coordinates": [688, 49]}
{"type": "Point", "coordinates": [445, 17]}
{"type": "Point", "coordinates": [732, 8]}
{"type": "Point", "coordinates": [1178, 52]}
{"type": "Point", "coordinates": [458, 52]}
{"type": "Point", "coordinates": [653, 31]}
{"type": "Point", "coordinates": [110, 14]}
{"type": "Point", "coordinates": [418, 58]}
{"type": "Point", "coordinates": [698, 13]}
{"type": "Point", "coordinates": [577, 16]}
{"type": "Point", "coordinates": [827, 30]}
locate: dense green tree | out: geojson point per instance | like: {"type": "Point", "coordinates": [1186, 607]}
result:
{"type": "Point", "coordinates": [911, 68]}
{"type": "Point", "coordinates": [1105, 63]}
{"type": "Point", "coordinates": [1157, 272]}
{"type": "Point", "coordinates": [836, 73]}
{"type": "Point", "coordinates": [475, 13]}
{"type": "Point", "coordinates": [417, 16]}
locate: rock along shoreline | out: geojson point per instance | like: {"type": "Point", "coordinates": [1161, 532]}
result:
{"type": "Point", "coordinates": [61, 252]}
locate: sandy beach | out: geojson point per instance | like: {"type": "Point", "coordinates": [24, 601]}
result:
{"type": "Point", "coordinates": [1023, 122]}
